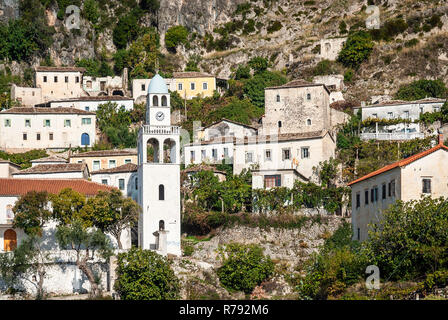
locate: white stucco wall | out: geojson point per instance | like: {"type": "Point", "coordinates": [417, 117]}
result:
{"type": "Point", "coordinates": [63, 137]}
{"type": "Point", "coordinates": [92, 105]}
{"type": "Point", "coordinates": [113, 180]}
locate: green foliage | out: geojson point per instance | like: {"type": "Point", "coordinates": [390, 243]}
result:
{"type": "Point", "coordinates": [237, 110]}
{"type": "Point", "coordinates": [274, 26]}
{"type": "Point", "coordinates": [411, 239]}
{"type": "Point", "coordinates": [31, 212]}
{"type": "Point", "coordinates": [95, 68]}
{"type": "Point", "coordinates": [150, 5]}
{"type": "Point", "coordinates": [126, 30]}
{"type": "Point", "coordinates": [176, 100]}
{"type": "Point", "coordinates": [145, 275]}
{"type": "Point", "coordinates": [389, 30]}
{"type": "Point", "coordinates": [67, 205]}
{"type": "Point", "coordinates": [175, 36]}
{"type": "Point", "coordinates": [258, 64]}
{"type": "Point", "coordinates": [348, 75]}
{"type": "Point", "coordinates": [91, 11]}
{"type": "Point", "coordinates": [342, 27]}
{"type": "Point", "coordinates": [27, 263]}
{"type": "Point", "coordinates": [356, 49]}
{"type": "Point", "coordinates": [421, 89]}
{"type": "Point", "coordinates": [325, 67]}
{"type": "Point", "coordinates": [192, 64]}
{"type": "Point", "coordinates": [254, 87]}
{"type": "Point", "coordinates": [244, 267]}
{"type": "Point", "coordinates": [243, 72]}
{"type": "Point", "coordinates": [23, 159]}
{"type": "Point", "coordinates": [112, 213]}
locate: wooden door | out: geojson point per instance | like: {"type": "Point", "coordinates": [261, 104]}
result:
{"type": "Point", "coordinates": [10, 240]}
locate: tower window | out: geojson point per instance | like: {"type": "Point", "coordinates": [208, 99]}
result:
{"type": "Point", "coordinates": [308, 96]}
{"type": "Point", "coordinates": [308, 122]}
{"type": "Point", "coordinates": [164, 101]}
{"type": "Point", "coordinates": [161, 225]}
{"type": "Point", "coordinates": [161, 192]}
{"type": "Point", "coordinates": [278, 98]}
{"type": "Point", "coordinates": [155, 101]}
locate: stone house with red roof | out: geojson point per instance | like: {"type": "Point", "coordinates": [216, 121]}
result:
{"type": "Point", "coordinates": [423, 174]}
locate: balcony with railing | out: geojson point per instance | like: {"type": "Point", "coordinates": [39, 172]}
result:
{"type": "Point", "coordinates": [147, 129]}
{"type": "Point", "coordinates": [391, 135]}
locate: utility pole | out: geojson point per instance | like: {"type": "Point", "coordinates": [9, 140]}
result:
{"type": "Point", "coordinates": [185, 104]}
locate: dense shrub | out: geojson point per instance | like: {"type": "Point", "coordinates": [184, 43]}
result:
{"type": "Point", "coordinates": [254, 87]}
{"type": "Point", "coordinates": [126, 30]}
{"type": "Point", "coordinates": [244, 267]}
{"type": "Point", "coordinates": [389, 30]}
{"type": "Point", "coordinates": [145, 275]}
{"type": "Point", "coordinates": [95, 68]}
{"type": "Point", "coordinates": [356, 49]}
{"type": "Point", "coordinates": [175, 36]}
{"type": "Point", "coordinates": [23, 159]}
{"type": "Point", "coordinates": [421, 89]}
{"type": "Point", "coordinates": [274, 26]}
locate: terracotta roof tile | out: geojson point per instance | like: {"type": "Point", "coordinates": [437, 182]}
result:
{"type": "Point", "coordinates": [53, 158]}
{"type": "Point", "coordinates": [18, 187]}
{"type": "Point", "coordinates": [59, 69]}
{"type": "Point", "coordinates": [37, 110]}
{"type": "Point", "coordinates": [105, 153]}
{"type": "Point", "coordinates": [191, 75]}
{"type": "Point", "coordinates": [54, 168]}
{"type": "Point", "coordinates": [128, 167]}
{"type": "Point", "coordinates": [400, 163]}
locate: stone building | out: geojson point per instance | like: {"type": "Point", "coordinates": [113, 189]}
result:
{"type": "Point", "coordinates": [423, 174]}
{"type": "Point", "coordinates": [298, 107]}
{"type": "Point", "coordinates": [23, 129]}
{"type": "Point", "coordinates": [106, 86]}
{"type": "Point", "coordinates": [105, 159]}
{"type": "Point", "coordinates": [409, 111]}
{"type": "Point", "coordinates": [330, 48]}
{"type": "Point", "coordinates": [7, 168]}
{"type": "Point", "coordinates": [51, 83]}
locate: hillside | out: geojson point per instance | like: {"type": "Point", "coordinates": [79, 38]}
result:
{"type": "Point", "coordinates": [224, 34]}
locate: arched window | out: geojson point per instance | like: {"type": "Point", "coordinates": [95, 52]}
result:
{"type": "Point", "coordinates": [164, 101]}
{"type": "Point", "coordinates": [155, 101]}
{"type": "Point", "coordinates": [85, 139]}
{"type": "Point", "coordinates": [161, 225]}
{"type": "Point", "coordinates": [308, 122]}
{"type": "Point", "coordinates": [161, 192]}
{"type": "Point", "coordinates": [278, 98]}
{"type": "Point", "coordinates": [279, 124]}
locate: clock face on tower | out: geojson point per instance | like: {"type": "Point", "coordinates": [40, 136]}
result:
{"type": "Point", "coordinates": [160, 115]}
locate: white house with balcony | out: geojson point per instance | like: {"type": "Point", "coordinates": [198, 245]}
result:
{"type": "Point", "coordinates": [409, 111]}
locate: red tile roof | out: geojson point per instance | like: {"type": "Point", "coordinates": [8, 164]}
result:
{"type": "Point", "coordinates": [18, 187]}
{"type": "Point", "coordinates": [106, 153]}
{"type": "Point", "coordinates": [128, 167]}
{"type": "Point", "coordinates": [54, 168]}
{"type": "Point", "coordinates": [60, 69]}
{"type": "Point", "coordinates": [401, 163]}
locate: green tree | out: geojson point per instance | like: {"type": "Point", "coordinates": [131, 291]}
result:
{"type": "Point", "coordinates": [126, 30]}
{"type": "Point", "coordinates": [411, 240]}
{"type": "Point", "coordinates": [175, 36]}
{"type": "Point", "coordinates": [112, 213]}
{"type": "Point", "coordinates": [86, 242]}
{"type": "Point", "coordinates": [145, 275]}
{"type": "Point", "coordinates": [356, 49]}
{"type": "Point", "coordinates": [91, 11]}
{"type": "Point", "coordinates": [258, 64]}
{"type": "Point", "coordinates": [26, 263]}
{"type": "Point", "coordinates": [68, 205]}
{"type": "Point", "coordinates": [421, 89]}
{"type": "Point", "coordinates": [150, 5]}
{"type": "Point", "coordinates": [254, 87]}
{"type": "Point", "coordinates": [32, 212]}
{"type": "Point", "coordinates": [244, 267]}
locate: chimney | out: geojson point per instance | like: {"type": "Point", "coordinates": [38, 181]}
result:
{"type": "Point", "coordinates": [440, 136]}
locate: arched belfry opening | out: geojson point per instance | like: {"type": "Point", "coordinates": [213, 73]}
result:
{"type": "Point", "coordinates": [161, 192]}
{"type": "Point", "coordinates": [164, 101]}
{"type": "Point", "coordinates": [169, 151]}
{"type": "Point", "coordinates": [155, 101]}
{"type": "Point", "coordinates": [152, 151]}
{"type": "Point", "coordinates": [161, 225]}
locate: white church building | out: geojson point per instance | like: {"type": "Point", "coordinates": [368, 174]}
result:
{"type": "Point", "coordinates": [159, 174]}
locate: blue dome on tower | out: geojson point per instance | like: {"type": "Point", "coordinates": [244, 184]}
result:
{"type": "Point", "coordinates": [157, 85]}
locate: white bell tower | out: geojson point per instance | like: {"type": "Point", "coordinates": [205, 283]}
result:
{"type": "Point", "coordinates": [159, 174]}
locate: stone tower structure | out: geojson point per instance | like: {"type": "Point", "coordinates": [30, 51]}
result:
{"type": "Point", "coordinates": [159, 174]}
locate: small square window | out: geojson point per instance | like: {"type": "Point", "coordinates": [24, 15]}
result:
{"type": "Point", "coordinates": [121, 184]}
{"type": "Point", "coordinates": [27, 123]}
{"type": "Point", "coordinates": [366, 197]}
{"type": "Point", "coordinates": [104, 181]}
{"type": "Point", "coordinates": [358, 200]}
{"type": "Point", "coordinates": [67, 123]}
{"type": "Point", "coordinates": [204, 86]}
{"type": "Point", "coordinates": [179, 86]}
{"type": "Point", "coordinates": [286, 154]}
{"type": "Point", "coordinates": [192, 86]}
{"type": "Point", "coordinates": [50, 136]}
{"type": "Point", "coordinates": [38, 136]}
{"type": "Point", "coordinates": [426, 186]}
{"type": "Point", "coordinates": [86, 121]}
{"type": "Point", "coordinates": [305, 152]}
{"type": "Point", "coordinates": [215, 154]}
{"type": "Point", "coordinates": [77, 79]}
{"type": "Point", "coordinates": [308, 96]}
{"type": "Point", "coordinates": [267, 155]}
{"type": "Point", "coordinates": [249, 157]}
{"type": "Point", "coordinates": [192, 156]}
{"type": "Point", "coordinates": [203, 154]}
{"type": "Point", "coordinates": [126, 161]}
{"type": "Point", "coordinates": [96, 165]}
{"type": "Point", "coordinates": [45, 78]}
{"type": "Point", "coordinates": [7, 122]}
{"type": "Point", "coordinates": [55, 79]}
{"type": "Point", "coordinates": [87, 108]}
{"type": "Point", "coordinates": [112, 164]}
{"type": "Point", "coordinates": [143, 87]}
{"type": "Point", "coordinates": [66, 79]}
{"type": "Point", "coordinates": [25, 136]}
{"type": "Point", "coordinates": [47, 123]}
